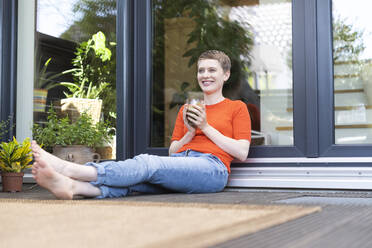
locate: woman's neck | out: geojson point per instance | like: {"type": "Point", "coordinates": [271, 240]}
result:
{"type": "Point", "coordinates": [213, 99]}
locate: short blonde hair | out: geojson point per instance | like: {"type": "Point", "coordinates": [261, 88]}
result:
{"type": "Point", "coordinates": [220, 56]}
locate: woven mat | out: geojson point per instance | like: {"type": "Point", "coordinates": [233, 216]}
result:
{"type": "Point", "coordinates": [86, 223]}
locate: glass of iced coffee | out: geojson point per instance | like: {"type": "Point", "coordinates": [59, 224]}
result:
{"type": "Point", "coordinates": [191, 102]}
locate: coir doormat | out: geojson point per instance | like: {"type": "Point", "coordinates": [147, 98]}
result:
{"type": "Point", "coordinates": [86, 223]}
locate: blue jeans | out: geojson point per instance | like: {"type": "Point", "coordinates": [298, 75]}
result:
{"type": "Point", "coordinates": [186, 172]}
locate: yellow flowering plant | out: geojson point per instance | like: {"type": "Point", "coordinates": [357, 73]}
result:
{"type": "Point", "coordinates": [15, 156]}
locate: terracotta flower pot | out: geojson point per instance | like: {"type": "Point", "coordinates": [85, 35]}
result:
{"type": "Point", "coordinates": [12, 181]}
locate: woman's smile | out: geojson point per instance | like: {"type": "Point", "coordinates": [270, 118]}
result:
{"type": "Point", "coordinates": [207, 83]}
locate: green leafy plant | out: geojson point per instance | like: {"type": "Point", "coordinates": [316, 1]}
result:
{"type": "Point", "coordinates": [46, 80]}
{"type": "Point", "coordinates": [81, 91]}
{"type": "Point", "coordinates": [61, 131]}
{"type": "Point", "coordinates": [91, 72]}
{"type": "Point", "coordinates": [14, 156]}
{"type": "Point", "coordinates": [98, 15]}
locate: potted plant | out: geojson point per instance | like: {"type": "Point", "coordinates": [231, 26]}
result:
{"type": "Point", "coordinates": [90, 78]}
{"type": "Point", "coordinates": [72, 140]}
{"type": "Point", "coordinates": [14, 159]}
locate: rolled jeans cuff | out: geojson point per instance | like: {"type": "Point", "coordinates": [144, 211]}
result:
{"type": "Point", "coordinates": [104, 192]}
{"type": "Point", "coordinates": [101, 172]}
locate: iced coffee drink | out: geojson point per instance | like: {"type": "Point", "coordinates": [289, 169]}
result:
{"type": "Point", "coordinates": [190, 106]}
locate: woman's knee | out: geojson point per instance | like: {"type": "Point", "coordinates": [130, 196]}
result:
{"type": "Point", "coordinates": [151, 162]}
{"type": "Point", "coordinates": [143, 158]}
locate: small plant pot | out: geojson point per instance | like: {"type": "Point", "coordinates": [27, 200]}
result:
{"type": "Point", "coordinates": [12, 181]}
{"type": "Point", "coordinates": [74, 107]}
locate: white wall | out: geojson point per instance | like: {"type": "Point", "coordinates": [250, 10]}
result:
{"type": "Point", "coordinates": [25, 67]}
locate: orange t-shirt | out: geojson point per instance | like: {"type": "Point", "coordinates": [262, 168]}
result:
{"type": "Point", "coordinates": [231, 118]}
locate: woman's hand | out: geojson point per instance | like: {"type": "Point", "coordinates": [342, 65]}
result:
{"type": "Point", "coordinates": [197, 116]}
{"type": "Point", "coordinates": [177, 144]}
{"type": "Point", "coordinates": [185, 119]}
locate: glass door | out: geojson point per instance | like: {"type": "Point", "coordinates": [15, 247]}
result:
{"type": "Point", "coordinates": [267, 51]}
{"type": "Point", "coordinates": [345, 73]}
{"type": "Point", "coordinates": [75, 44]}
{"type": "Point", "coordinates": [352, 75]}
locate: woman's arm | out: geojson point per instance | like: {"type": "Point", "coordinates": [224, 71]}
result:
{"type": "Point", "coordinates": [189, 135]}
{"type": "Point", "coordinates": [236, 148]}
{"type": "Point", "coordinates": [177, 144]}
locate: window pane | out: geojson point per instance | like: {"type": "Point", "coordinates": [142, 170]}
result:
{"type": "Point", "coordinates": [257, 35]}
{"type": "Point", "coordinates": [62, 29]}
{"type": "Point", "coordinates": [352, 59]}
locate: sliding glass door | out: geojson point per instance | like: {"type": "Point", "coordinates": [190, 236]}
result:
{"type": "Point", "coordinates": [266, 46]}
{"type": "Point", "coordinates": [345, 72]}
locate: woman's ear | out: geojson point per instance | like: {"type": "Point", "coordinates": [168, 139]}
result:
{"type": "Point", "coordinates": [226, 76]}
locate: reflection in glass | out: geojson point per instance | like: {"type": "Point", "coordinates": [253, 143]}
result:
{"type": "Point", "coordinates": [352, 59]}
{"type": "Point", "coordinates": [60, 30]}
{"type": "Point", "coordinates": [257, 35]}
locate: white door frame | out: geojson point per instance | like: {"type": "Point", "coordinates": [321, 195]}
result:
{"type": "Point", "coordinates": [301, 176]}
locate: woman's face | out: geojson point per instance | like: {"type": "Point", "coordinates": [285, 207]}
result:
{"type": "Point", "coordinates": [211, 76]}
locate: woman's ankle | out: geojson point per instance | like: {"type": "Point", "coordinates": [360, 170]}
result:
{"type": "Point", "coordinates": [81, 172]}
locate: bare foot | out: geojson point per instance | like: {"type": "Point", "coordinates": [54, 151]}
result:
{"type": "Point", "coordinates": [40, 154]}
{"type": "Point", "coordinates": [60, 185]}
